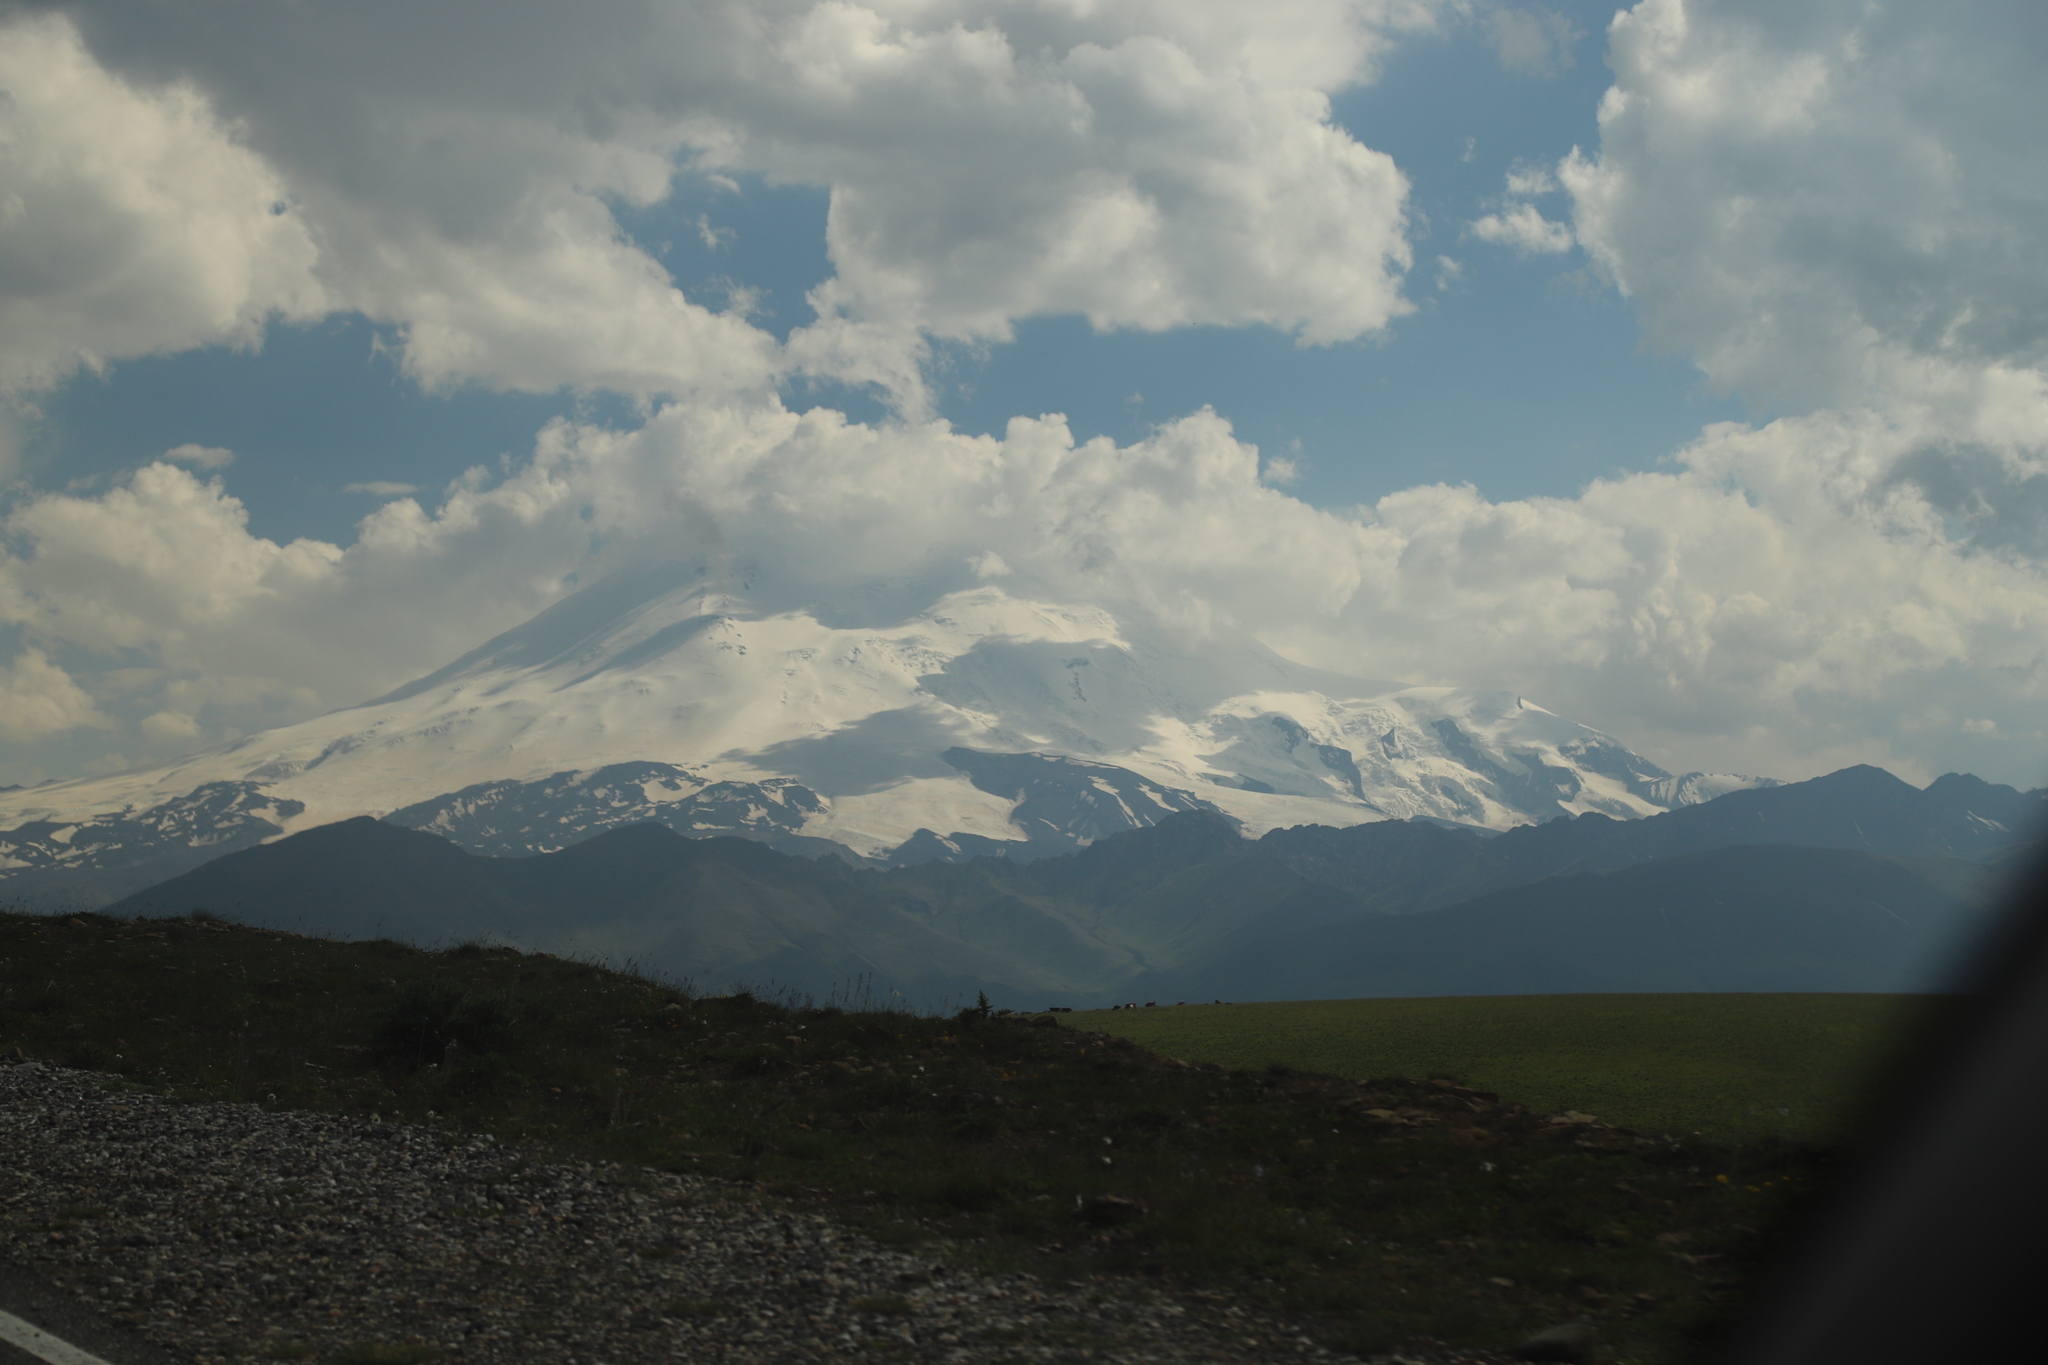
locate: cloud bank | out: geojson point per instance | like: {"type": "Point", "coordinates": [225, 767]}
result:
{"type": "Point", "coordinates": [1823, 202]}
{"type": "Point", "coordinates": [451, 170]}
{"type": "Point", "coordinates": [1755, 604]}
{"type": "Point", "coordinates": [1810, 202]}
{"type": "Point", "coordinates": [131, 221]}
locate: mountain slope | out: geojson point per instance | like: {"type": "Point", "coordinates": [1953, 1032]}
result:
{"type": "Point", "coordinates": [1403, 867]}
{"type": "Point", "coordinates": [89, 862]}
{"type": "Point", "coordinates": [1864, 808]}
{"type": "Point", "coordinates": [1750, 918]}
{"type": "Point", "coordinates": [718, 909]}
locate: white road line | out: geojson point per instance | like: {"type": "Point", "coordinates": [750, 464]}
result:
{"type": "Point", "coordinates": [41, 1344]}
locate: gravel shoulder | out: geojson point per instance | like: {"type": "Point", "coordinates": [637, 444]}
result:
{"type": "Point", "coordinates": [219, 1232]}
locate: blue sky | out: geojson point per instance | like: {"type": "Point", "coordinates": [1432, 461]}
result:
{"type": "Point", "coordinates": [1729, 314]}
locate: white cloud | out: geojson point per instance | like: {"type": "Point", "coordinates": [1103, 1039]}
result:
{"type": "Point", "coordinates": [238, 632]}
{"type": "Point", "coordinates": [382, 488]}
{"type": "Point", "coordinates": [713, 237]}
{"type": "Point", "coordinates": [133, 220]}
{"type": "Point", "coordinates": [200, 457]}
{"type": "Point", "coordinates": [1537, 42]}
{"type": "Point", "coordinates": [1823, 214]}
{"type": "Point", "coordinates": [1766, 607]}
{"type": "Point", "coordinates": [1830, 204]}
{"type": "Point", "coordinates": [38, 700]}
{"type": "Point", "coordinates": [1771, 604]}
{"type": "Point", "coordinates": [157, 554]}
{"type": "Point", "coordinates": [1841, 211]}
{"type": "Point", "coordinates": [1524, 228]}
{"type": "Point", "coordinates": [1519, 223]}
{"type": "Point", "coordinates": [1125, 179]}
{"type": "Point", "coordinates": [169, 726]}
{"type": "Point", "coordinates": [1280, 471]}
{"type": "Point", "coordinates": [1146, 164]}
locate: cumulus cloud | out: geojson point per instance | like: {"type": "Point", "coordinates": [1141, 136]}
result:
{"type": "Point", "coordinates": [200, 457]}
{"type": "Point", "coordinates": [1523, 227]}
{"type": "Point", "coordinates": [1840, 210]}
{"type": "Point", "coordinates": [1537, 42]}
{"type": "Point", "coordinates": [1828, 203]}
{"type": "Point", "coordinates": [1146, 164]}
{"type": "Point", "coordinates": [1518, 223]}
{"type": "Point", "coordinates": [1766, 604]}
{"type": "Point", "coordinates": [1126, 180]}
{"type": "Point", "coordinates": [236, 631]}
{"type": "Point", "coordinates": [38, 700]}
{"type": "Point", "coordinates": [1816, 206]}
{"type": "Point", "coordinates": [133, 219]}
{"type": "Point", "coordinates": [171, 726]}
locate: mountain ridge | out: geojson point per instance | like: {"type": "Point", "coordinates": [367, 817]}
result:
{"type": "Point", "coordinates": [1184, 906]}
{"type": "Point", "coordinates": [1746, 917]}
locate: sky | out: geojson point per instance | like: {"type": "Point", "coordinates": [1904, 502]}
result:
{"type": "Point", "coordinates": [1683, 367]}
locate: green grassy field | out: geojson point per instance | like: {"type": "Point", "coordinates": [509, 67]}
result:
{"type": "Point", "coordinates": [1733, 1068]}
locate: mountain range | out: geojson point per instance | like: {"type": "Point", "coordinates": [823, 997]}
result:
{"type": "Point", "coordinates": [984, 721]}
{"type": "Point", "coordinates": [1854, 881]}
{"type": "Point", "coordinates": [976, 789]}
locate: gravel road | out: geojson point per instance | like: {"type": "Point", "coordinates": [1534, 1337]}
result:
{"type": "Point", "coordinates": [223, 1231]}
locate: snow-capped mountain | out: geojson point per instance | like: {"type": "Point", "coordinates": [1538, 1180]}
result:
{"type": "Point", "coordinates": [988, 722]}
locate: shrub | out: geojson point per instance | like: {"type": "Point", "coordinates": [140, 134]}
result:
{"type": "Point", "coordinates": [427, 1025]}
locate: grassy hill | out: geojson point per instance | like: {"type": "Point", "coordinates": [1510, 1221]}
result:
{"type": "Point", "coordinates": [1372, 1214]}
{"type": "Point", "coordinates": [1732, 1068]}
